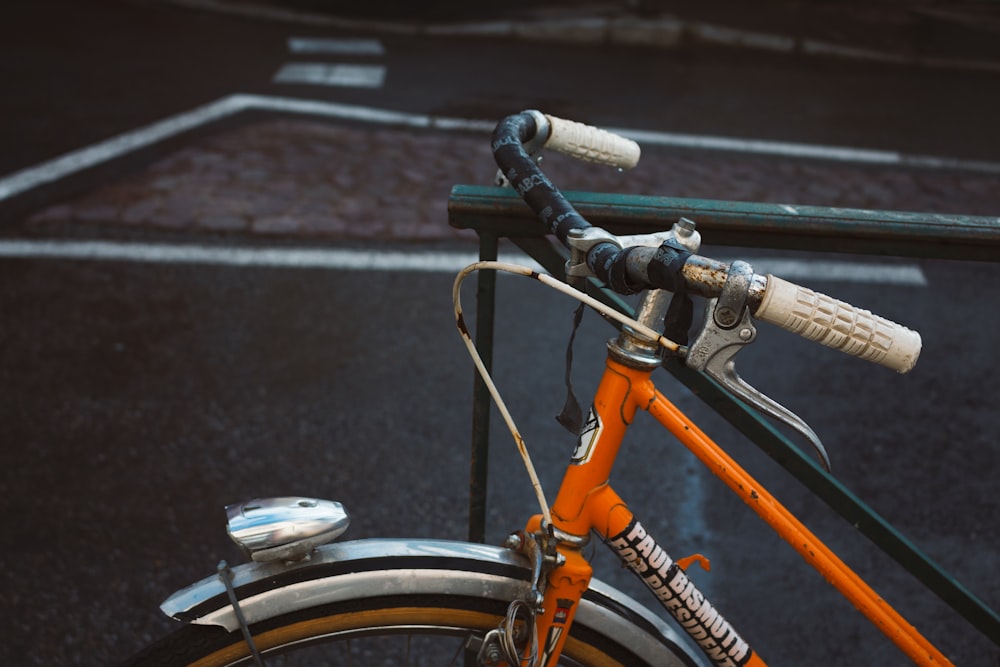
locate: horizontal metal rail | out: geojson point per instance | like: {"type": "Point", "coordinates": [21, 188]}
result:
{"type": "Point", "coordinates": [494, 213]}
{"type": "Point", "coordinates": [746, 224]}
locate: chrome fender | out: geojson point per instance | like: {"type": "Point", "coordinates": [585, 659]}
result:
{"type": "Point", "coordinates": [347, 570]}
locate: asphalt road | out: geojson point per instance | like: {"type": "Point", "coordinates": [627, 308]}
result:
{"type": "Point", "coordinates": [139, 398]}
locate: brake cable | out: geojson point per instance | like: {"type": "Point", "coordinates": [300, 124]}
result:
{"type": "Point", "coordinates": [607, 311]}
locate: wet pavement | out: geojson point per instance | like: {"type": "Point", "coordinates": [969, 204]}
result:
{"type": "Point", "coordinates": [154, 395]}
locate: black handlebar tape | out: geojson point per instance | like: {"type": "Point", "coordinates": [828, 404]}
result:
{"type": "Point", "coordinates": [637, 268]}
{"type": "Point", "coordinates": [527, 179]}
{"type": "Point", "coordinates": [611, 265]}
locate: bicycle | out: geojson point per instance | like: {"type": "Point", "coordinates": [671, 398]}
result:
{"type": "Point", "coordinates": [533, 601]}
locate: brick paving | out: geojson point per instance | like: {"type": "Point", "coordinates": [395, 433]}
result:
{"type": "Point", "coordinates": [324, 180]}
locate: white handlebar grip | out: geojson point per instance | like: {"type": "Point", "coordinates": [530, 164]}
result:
{"type": "Point", "coordinates": [591, 144]}
{"type": "Point", "coordinates": [839, 325]}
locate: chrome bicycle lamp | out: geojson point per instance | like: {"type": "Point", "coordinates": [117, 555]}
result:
{"type": "Point", "coordinates": [286, 528]}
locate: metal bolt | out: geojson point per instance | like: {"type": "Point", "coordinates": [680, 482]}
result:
{"type": "Point", "coordinates": [684, 227]}
{"type": "Point", "coordinates": [492, 654]}
{"type": "Point", "coordinates": [725, 317]}
{"type": "Point", "coordinates": [746, 334]}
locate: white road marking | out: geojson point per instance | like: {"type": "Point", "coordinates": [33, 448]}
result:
{"type": "Point", "coordinates": [353, 47]}
{"type": "Point", "coordinates": [332, 74]}
{"type": "Point", "coordinates": [273, 257]}
{"type": "Point", "coordinates": [783, 148]}
{"type": "Point", "coordinates": [849, 272]}
{"type": "Point", "coordinates": [359, 113]}
{"type": "Point", "coordinates": [811, 151]}
{"type": "Point", "coordinates": [116, 147]}
{"type": "Point", "coordinates": [128, 142]}
{"type": "Point", "coordinates": [384, 260]}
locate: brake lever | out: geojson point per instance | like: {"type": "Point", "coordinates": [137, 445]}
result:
{"type": "Point", "coordinates": [728, 328]}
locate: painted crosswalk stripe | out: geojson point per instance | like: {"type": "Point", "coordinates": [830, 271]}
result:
{"type": "Point", "coordinates": [389, 260]}
{"type": "Point", "coordinates": [353, 47]}
{"type": "Point", "coordinates": [332, 74]}
{"type": "Point", "coordinates": [344, 259]}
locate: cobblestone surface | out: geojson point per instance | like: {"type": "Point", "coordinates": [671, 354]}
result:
{"type": "Point", "coordinates": [292, 177]}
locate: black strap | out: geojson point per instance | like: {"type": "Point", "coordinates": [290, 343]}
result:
{"type": "Point", "coordinates": [665, 269]}
{"type": "Point", "coordinates": [571, 416]}
{"type": "Point", "coordinates": [679, 317]}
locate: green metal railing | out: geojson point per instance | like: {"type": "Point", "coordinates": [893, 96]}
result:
{"type": "Point", "coordinates": [495, 213]}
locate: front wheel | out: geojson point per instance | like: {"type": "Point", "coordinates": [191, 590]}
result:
{"type": "Point", "coordinates": [391, 602]}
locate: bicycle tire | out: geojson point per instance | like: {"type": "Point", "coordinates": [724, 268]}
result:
{"type": "Point", "coordinates": [378, 589]}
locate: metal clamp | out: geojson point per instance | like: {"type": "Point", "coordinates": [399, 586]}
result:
{"type": "Point", "coordinates": [733, 298]}
{"type": "Point", "coordinates": [517, 632]}
{"type": "Point", "coordinates": [541, 550]}
{"type": "Point", "coordinates": [580, 242]}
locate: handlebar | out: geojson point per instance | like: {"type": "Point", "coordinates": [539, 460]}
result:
{"type": "Point", "coordinates": [670, 266]}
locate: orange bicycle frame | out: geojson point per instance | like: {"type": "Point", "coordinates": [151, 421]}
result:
{"type": "Point", "coordinates": [586, 501]}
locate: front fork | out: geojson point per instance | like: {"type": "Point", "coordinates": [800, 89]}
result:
{"type": "Point", "coordinates": [666, 578]}
{"type": "Point", "coordinates": [536, 627]}
{"type": "Point", "coordinates": [562, 585]}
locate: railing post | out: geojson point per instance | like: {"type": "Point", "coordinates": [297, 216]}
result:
{"type": "Point", "coordinates": [481, 405]}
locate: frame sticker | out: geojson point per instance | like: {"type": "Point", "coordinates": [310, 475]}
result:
{"type": "Point", "coordinates": [678, 594]}
{"type": "Point", "coordinates": [589, 435]}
